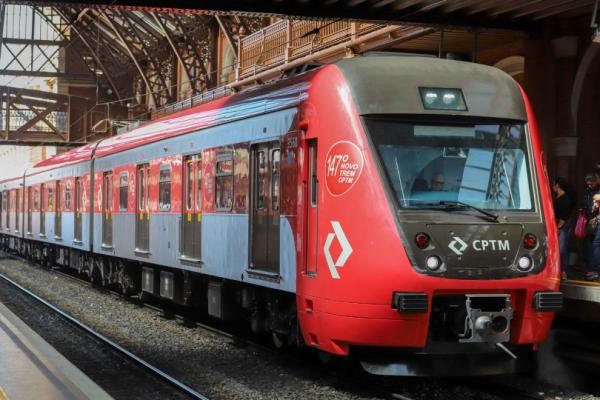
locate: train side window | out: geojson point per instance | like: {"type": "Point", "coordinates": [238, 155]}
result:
{"type": "Point", "coordinates": [68, 196]}
{"type": "Point", "coordinates": [224, 181]}
{"type": "Point", "coordinates": [164, 187]}
{"type": "Point", "coordinates": [275, 160]}
{"type": "Point", "coordinates": [123, 191]}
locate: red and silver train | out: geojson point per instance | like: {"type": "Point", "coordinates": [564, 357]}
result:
{"type": "Point", "coordinates": [394, 208]}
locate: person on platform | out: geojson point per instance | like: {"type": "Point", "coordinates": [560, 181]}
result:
{"type": "Point", "coordinates": [592, 241]}
{"type": "Point", "coordinates": [563, 210]}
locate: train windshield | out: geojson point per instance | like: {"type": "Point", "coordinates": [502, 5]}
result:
{"type": "Point", "coordinates": [483, 165]}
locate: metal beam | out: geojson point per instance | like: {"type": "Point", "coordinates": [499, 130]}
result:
{"type": "Point", "coordinates": [133, 58]}
{"type": "Point", "coordinates": [228, 35]}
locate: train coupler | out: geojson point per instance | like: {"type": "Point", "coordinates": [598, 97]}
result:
{"type": "Point", "coordinates": [488, 320]}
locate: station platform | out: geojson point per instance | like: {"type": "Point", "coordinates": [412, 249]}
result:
{"type": "Point", "coordinates": [32, 369]}
{"type": "Point", "coordinates": [581, 290]}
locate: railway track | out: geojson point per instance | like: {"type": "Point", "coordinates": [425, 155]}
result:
{"type": "Point", "coordinates": [488, 388]}
{"type": "Point", "coordinates": [182, 387]}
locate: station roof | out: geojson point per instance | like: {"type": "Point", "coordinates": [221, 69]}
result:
{"type": "Point", "coordinates": [493, 13]}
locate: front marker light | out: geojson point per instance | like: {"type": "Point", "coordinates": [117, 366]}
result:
{"type": "Point", "coordinates": [433, 263]}
{"type": "Point", "coordinates": [525, 264]}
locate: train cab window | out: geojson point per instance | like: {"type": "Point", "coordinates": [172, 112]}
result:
{"type": "Point", "coordinates": [224, 181]}
{"type": "Point", "coordinates": [68, 196]}
{"type": "Point", "coordinates": [482, 164]}
{"type": "Point", "coordinates": [123, 191]}
{"type": "Point", "coordinates": [164, 187]}
{"type": "Point", "coordinates": [275, 159]}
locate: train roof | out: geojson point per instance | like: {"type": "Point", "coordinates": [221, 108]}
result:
{"type": "Point", "coordinates": [379, 85]}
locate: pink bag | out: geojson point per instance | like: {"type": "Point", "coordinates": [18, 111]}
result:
{"type": "Point", "coordinates": [580, 226]}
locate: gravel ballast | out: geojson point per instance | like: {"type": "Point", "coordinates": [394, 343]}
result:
{"type": "Point", "coordinates": [215, 365]}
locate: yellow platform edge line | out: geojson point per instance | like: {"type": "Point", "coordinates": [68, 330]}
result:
{"type": "Point", "coordinates": [588, 283]}
{"type": "Point", "coordinates": [3, 395]}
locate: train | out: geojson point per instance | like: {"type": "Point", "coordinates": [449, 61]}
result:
{"type": "Point", "coordinates": [390, 208]}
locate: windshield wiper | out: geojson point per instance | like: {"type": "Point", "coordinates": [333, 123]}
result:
{"type": "Point", "coordinates": [451, 204]}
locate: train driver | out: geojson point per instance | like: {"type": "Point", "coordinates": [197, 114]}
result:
{"type": "Point", "coordinates": [437, 182]}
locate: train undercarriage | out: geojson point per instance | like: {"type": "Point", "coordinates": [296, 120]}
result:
{"type": "Point", "coordinates": [266, 311]}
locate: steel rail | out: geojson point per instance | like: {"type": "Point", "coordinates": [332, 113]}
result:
{"type": "Point", "coordinates": [161, 374]}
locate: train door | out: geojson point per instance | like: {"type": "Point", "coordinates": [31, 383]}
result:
{"type": "Point", "coordinates": [29, 208]}
{"type": "Point", "coordinates": [107, 208]}
{"type": "Point", "coordinates": [265, 199]}
{"type": "Point", "coordinates": [142, 222]}
{"type": "Point", "coordinates": [43, 210]}
{"type": "Point", "coordinates": [78, 211]}
{"type": "Point", "coordinates": [58, 212]}
{"type": "Point", "coordinates": [311, 209]}
{"type": "Point", "coordinates": [192, 210]}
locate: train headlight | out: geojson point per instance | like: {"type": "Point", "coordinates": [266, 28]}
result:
{"type": "Point", "coordinates": [524, 264]}
{"type": "Point", "coordinates": [442, 99]}
{"type": "Point", "coordinates": [433, 263]}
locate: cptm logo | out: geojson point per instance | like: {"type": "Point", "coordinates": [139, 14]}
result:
{"type": "Point", "coordinates": [458, 246]}
{"type": "Point", "coordinates": [338, 233]}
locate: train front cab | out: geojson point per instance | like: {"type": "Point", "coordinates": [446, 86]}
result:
{"type": "Point", "coordinates": [404, 274]}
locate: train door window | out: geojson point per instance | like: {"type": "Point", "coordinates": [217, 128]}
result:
{"type": "Point", "coordinates": [123, 191]}
{"type": "Point", "coordinates": [68, 196]}
{"type": "Point", "coordinates": [199, 185]}
{"type": "Point", "coordinates": [311, 210]}
{"type": "Point", "coordinates": [43, 207]}
{"type": "Point", "coordinates": [78, 210]}
{"type": "Point", "coordinates": [189, 184]}
{"type": "Point", "coordinates": [18, 210]}
{"type": "Point", "coordinates": [58, 213]}
{"type": "Point", "coordinates": [29, 209]}
{"type": "Point", "coordinates": [142, 229]}
{"type": "Point", "coordinates": [107, 208]}
{"type": "Point", "coordinates": [36, 199]}
{"type": "Point", "coordinates": [164, 187]}
{"type": "Point", "coordinates": [50, 199]}
{"type": "Point", "coordinates": [265, 199]}
{"type": "Point", "coordinates": [4, 208]}
{"type": "Point", "coordinates": [275, 162]}
{"type": "Point", "coordinates": [224, 181]}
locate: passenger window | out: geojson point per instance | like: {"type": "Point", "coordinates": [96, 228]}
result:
{"type": "Point", "coordinates": [123, 191]}
{"type": "Point", "coordinates": [189, 182]}
{"type": "Point", "coordinates": [224, 181]}
{"type": "Point", "coordinates": [261, 180]}
{"type": "Point", "coordinates": [199, 185]}
{"type": "Point", "coordinates": [164, 187]}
